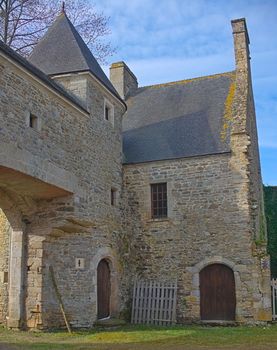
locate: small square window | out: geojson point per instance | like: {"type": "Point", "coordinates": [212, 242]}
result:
{"type": "Point", "coordinates": [33, 121]}
{"type": "Point", "coordinates": [159, 200]}
{"type": "Point", "coordinates": [113, 196]}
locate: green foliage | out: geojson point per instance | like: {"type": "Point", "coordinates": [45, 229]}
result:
{"type": "Point", "coordinates": [262, 236]}
{"type": "Point", "coordinates": [270, 197]}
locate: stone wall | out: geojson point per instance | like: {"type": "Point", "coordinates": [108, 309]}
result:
{"type": "Point", "coordinates": [215, 210]}
{"type": "Point", "coordinates": [208, 222]}
{"type": "Point", "coordinates": [62, 211]}
{"type": "Point", "coordinates": [80, 153]}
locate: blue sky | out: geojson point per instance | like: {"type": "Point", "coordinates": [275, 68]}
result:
{"type": "Point", "coordinates": [167, 40]}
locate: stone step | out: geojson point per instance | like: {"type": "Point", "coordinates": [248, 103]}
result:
{"type": "Point", "coordinates": [109, 323]}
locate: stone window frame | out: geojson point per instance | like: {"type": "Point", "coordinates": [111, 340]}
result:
{"type": "Point", "coordinates": [110, 106]}
{"type": "Point", "coordinates": [79, 263]}
{"type": "Point", "coordinates": [159, 207]}
{"type": "Point", "coordinates": [148, 204]}
{"type": "Point", "coordinates": [34, 119]}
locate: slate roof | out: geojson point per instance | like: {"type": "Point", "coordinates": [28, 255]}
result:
{"type": "Point", "coordinates": [62, 50]}
{"type": "Point", "coordinates": [176, 120]}
{"type": "Point", "coordinates": [40, 75]}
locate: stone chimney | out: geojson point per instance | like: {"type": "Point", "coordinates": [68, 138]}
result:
{"type": "Point", "coordinates": [123, 79]}
{"type": "Point", "coordinates": [241, 44]}
{"type": "Point", "coordinates": [243, 84]}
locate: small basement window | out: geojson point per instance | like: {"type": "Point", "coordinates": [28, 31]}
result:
{"type": "Point", "coordinates": [108, 112]}
{"type": "Point", "coordinates": [33, 121]}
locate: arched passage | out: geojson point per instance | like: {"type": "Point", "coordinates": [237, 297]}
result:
{"type": "Point", "coordinates": [217, 293]}
{"type": "Point", "coordinates": [103, 289]}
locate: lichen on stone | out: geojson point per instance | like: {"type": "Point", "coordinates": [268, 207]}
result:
{"type": "Point", "coordinates": [228, 115]}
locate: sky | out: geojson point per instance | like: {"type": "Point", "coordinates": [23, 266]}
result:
{"type": "Point", "coordinates": [168, 40]}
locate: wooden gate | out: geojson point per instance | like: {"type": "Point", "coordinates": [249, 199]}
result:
{"type": "Point", "coordinates": [154, 303]}
{"type": "Point", "coordinates": [103, 289]}
{"type": "Point", "coordinates": [217, 293]}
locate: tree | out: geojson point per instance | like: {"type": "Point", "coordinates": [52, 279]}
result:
{"type": "Point", "coordinates": [23, 23]}
{"type": "Point", "coordinates": [270, 198]}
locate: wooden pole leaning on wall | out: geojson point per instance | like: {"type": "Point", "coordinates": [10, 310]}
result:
{"type": "Point", "coordinates": [59, 297]}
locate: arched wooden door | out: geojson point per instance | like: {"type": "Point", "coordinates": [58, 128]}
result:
{"type": "Point", "coordinates": [103, 289]}
{"type": "Point", "coordinates": [217, 293]}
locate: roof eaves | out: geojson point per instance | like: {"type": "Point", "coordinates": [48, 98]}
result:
{"type": "Point", "coordinates": [40, 75]}
{"type": "Point", "coordinates": [176, 158]}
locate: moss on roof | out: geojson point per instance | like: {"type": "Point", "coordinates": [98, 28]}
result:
{"type": "Point", "coordinates": [187, 81]}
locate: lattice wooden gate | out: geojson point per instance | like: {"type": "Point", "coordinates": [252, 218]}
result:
{"type": "Point", "coordinates": [274, 298]}
{"type": "Point", "coordinates": [154, 303]}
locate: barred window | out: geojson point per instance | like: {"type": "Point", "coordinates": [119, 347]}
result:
{"type": "Point", "coordinates": [159, 200]}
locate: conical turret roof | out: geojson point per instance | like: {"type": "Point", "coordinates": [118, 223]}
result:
{"type": "Point", "coordinates": [62, 50]}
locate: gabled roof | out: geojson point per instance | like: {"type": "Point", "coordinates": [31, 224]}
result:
{"type": "Point", "coordinates": [180, 119]}
{"type": "Point", "coordinates": [40, 75]}
{"type": "Point", "coordinates": [62, 50]}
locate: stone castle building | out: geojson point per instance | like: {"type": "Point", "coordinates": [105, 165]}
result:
{"type": "Point", "coordinates": [102, 182]}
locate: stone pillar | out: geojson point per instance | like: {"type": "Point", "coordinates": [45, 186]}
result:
{"type": "Point", "coordinates": [15, 309]}
{"type": "Point", "coordinates": [123, 79]}
{"type": "Point", "coordinates": [243, 77]}
{"type": "Point", "coordinates": [245, 162]}
{"type": "Point", "coordinates": [5, 229]}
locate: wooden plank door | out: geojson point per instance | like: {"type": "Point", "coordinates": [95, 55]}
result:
{"type": "Point", "coordinates": [217, 293]}
{"type": "Point", "coordinates": [103, 289]}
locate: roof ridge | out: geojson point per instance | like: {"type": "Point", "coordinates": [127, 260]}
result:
{"type": "Point", "coordinates": [79, 41]}
{"type": "Point", "coordinates": [186, 81]}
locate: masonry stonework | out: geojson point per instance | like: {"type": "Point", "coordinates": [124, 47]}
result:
{"type": "Point", "coordinates": [56, 208]}
{"type": "Point", "coordinates": [80, 153]}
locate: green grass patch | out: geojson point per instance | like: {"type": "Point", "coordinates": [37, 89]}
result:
{"type": "Point", "coordinates": [145, 338]}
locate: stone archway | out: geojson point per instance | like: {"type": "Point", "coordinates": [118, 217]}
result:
{"type": "Point", "coordinates": [103, 289]}
{"type": "Point", "coordinates": [107, 254]}
{"type": "Point", "coordinates": [195, 275]}
{"type": "Point", "coordinates": [217, 293]}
